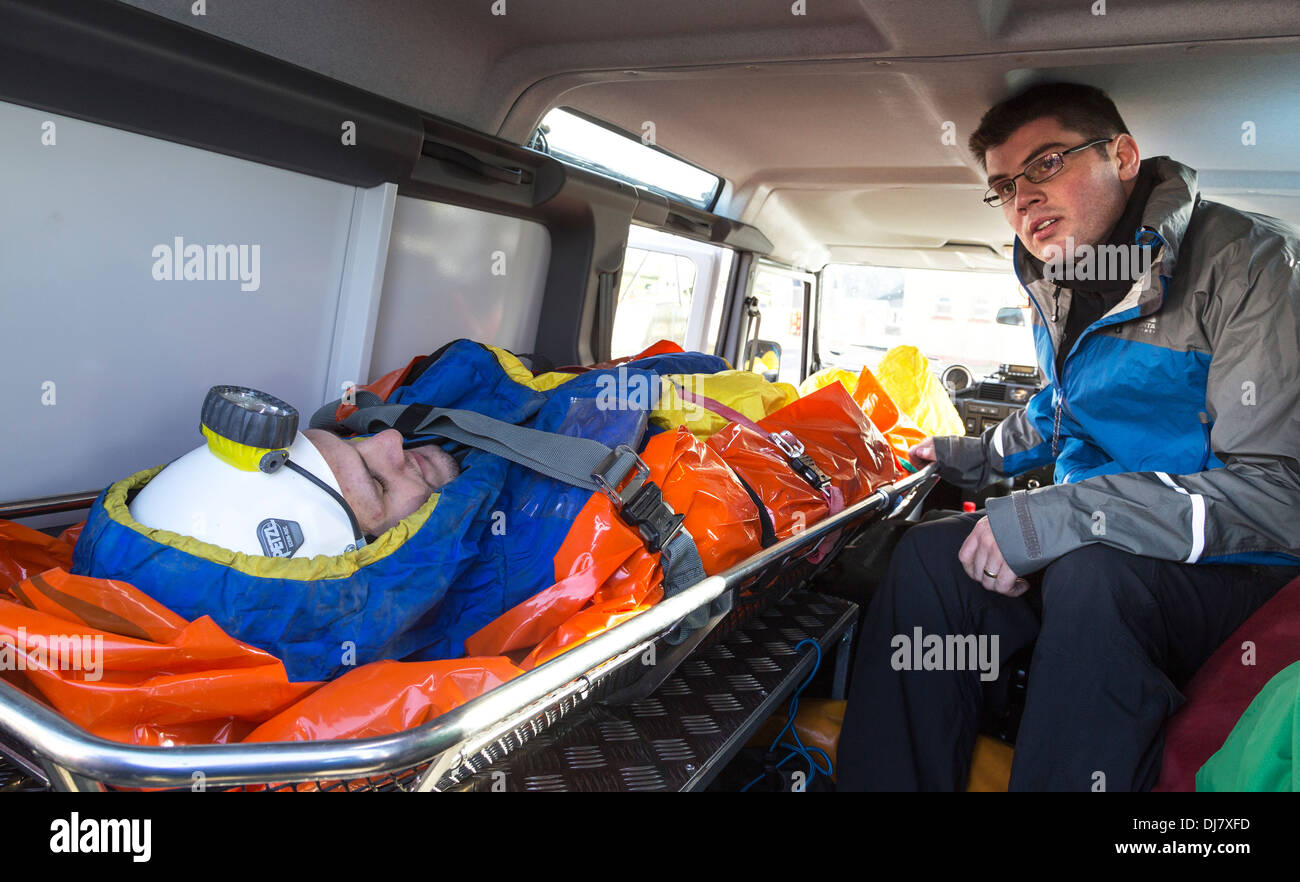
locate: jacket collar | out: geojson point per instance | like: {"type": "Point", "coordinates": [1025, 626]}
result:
{"type": "Point", "coordinates": [1169, 209]}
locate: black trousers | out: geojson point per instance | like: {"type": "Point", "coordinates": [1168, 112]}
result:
{"type": "Point", "coordinates": [1117, 636]}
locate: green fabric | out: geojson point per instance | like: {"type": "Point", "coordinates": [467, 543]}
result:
{"type": "Point", "coordinates": [1263, 751]}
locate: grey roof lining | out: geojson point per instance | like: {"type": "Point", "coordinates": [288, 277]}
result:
{"type": "Point", "coordinates": [944, 60]}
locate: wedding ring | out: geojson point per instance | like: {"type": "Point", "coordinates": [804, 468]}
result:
{"type": "Point", "coordinates": [990, 575]}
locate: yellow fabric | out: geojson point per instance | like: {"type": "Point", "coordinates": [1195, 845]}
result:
{"type": "Point", "coordinates": [306, 569]}
{"type": "Point", "coordinates": [742, 391]}
{"type": "Point", "coordinates": [825, 377]}
{"type": "Point", "coordinates": [990, 766]}
{"type": "Point", "coordinates": [905, 374]}
{"type": "Point", "coordinates": [549, 380]}
{"type": "Point", "coordinates": [516, 371]}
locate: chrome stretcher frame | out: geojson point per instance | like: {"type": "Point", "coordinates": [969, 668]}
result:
{"type": "Point", "coordinates": [437, 754]}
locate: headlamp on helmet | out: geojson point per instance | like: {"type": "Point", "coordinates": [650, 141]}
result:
{"type": "Point", "coordinates": [258, 486]}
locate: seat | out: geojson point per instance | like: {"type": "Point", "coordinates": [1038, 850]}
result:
{"type": "Point", "coordinates": [1223, 688]}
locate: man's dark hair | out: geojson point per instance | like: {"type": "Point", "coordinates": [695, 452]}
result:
{"type": "Point", "coordinates": [1083, 109]}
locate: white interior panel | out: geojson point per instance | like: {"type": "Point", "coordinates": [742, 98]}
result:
{"type": "Point", "coordinates": [130, 357]}
{"type": "Point", "coordinates": [363, 282]}
{"type": "Point", "coordinates": [456, 272]}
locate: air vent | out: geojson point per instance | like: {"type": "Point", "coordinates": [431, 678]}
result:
{"type": "Point", "coordinates": [993, 391]}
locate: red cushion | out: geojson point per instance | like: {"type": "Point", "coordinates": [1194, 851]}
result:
{"type": "Point", "coordinates": [1222, 689]}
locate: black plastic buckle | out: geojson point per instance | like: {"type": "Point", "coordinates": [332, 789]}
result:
{"type": "Point", "coordinates": [799, 461]}
{"type": "Point", "coordinates": [640, 503]}
{"type": "Point", "coordinates": [653, 517]}
{"type": "Point", "coordinates": [805, 468]}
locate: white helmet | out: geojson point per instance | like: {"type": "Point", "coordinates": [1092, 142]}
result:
{"type": "Point", "coordinates": [247, 489]}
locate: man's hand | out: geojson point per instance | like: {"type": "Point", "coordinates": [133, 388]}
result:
{"type": "Point", "coordinates": [979, 556]}
{"type": "Point", "coordinates": [922, 453]}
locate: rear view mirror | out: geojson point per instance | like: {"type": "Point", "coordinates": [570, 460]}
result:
{"type": "Point", "coordinates": [763, 357]}
{"type": "Point", "coordinates": [1010, 315]}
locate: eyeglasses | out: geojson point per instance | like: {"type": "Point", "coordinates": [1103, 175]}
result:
{"type": "Point", "coordinates": [1044, 168]}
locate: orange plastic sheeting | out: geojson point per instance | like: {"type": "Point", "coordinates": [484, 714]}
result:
{"type": "Point", "coordinates": [791, 503]}
{"type": "Point", "coordinates": [24, 551]}
{"type": "Point", "coordinates": [697, 483]}
{"type": "Point", "coordinates": [595, 547]}
{"type": "Point", "coordinates": [385, 697]}
{"type": "Point", "coordinates": [659, 347]}
{"type": "Point", "coordinates": [634, 587]}
{"type": "Point", "coordinates": [72, 534]}
{"type": "Point", "coordinates": [604, 561]}
{"type": "Point", "coordinates": [123, 667]}
{"type": "Point", "coordinates": [837, 436]}
{"type": "Point", "coordinates": [880, 408]}
{"type": "Point", "coordinates": [591, 622]}
{"type": "Point", "coordinates": [840, 439]}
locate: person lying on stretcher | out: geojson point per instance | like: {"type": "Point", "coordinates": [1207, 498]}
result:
{"type": "Point", "coordinates": [263, 488]}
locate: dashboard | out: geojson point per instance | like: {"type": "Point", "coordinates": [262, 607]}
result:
{"type": "Point", "coordinates": [984, 403]}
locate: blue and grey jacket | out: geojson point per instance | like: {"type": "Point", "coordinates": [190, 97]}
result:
{"type": "Point", "coordinates": [1175, 421]}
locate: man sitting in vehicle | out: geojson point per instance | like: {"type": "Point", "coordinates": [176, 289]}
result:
{"type": "Point", "coordinates": [1170, 414]}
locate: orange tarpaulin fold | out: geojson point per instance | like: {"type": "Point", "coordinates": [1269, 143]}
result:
{"type": "Point", "coordinates": [841, 440]}
{"type": "Point", "coordinates": [885, 415]}
{"type": "Point", "coordinates": [24, 551]}
{"type": "Point", "coordinates": [124, 667]}
{"type": "Point", "coordinates": [145, 689]}
{"type": "Point", "coordinates": [385, 697]}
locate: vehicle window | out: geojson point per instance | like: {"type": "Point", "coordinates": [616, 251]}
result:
{"type": "Point", "coordinates": [662, 275]}
{"type": "Point", "coordinates": [654, 300]}
{"type": "Point", "coordinates": [950, 316]}
{"type": "Point", "coordinates": [781, 304]}
{"type": "Point", "coordinates": [609, 151]}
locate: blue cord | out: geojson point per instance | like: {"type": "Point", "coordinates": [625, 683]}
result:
{"type": "Point", "coordinates": [799, 749]}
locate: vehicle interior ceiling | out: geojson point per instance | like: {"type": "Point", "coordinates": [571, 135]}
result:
{"type": "Point", "coordinates": [828, 126]}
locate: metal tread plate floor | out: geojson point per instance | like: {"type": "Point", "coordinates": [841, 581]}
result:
{"type": "Point", "coordinates": [681, 736]}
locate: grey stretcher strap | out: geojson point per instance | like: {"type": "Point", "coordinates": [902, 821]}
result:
{"type": "Point", "coordinates": [565, 458]}
{"type": "Point", "coordinates": [323, 418]}
{"type": "Point", "coordinates": [581, 462]}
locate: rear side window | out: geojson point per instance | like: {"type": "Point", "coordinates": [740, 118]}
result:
{"type": "Point", "coordinates": [781, 304]}
{"type": "Point", "coordinates": [671, 288]}
{"type": "Point", "coordinates": [586, 142]}
{"type": "Point", "coordinates": [654, 300]}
